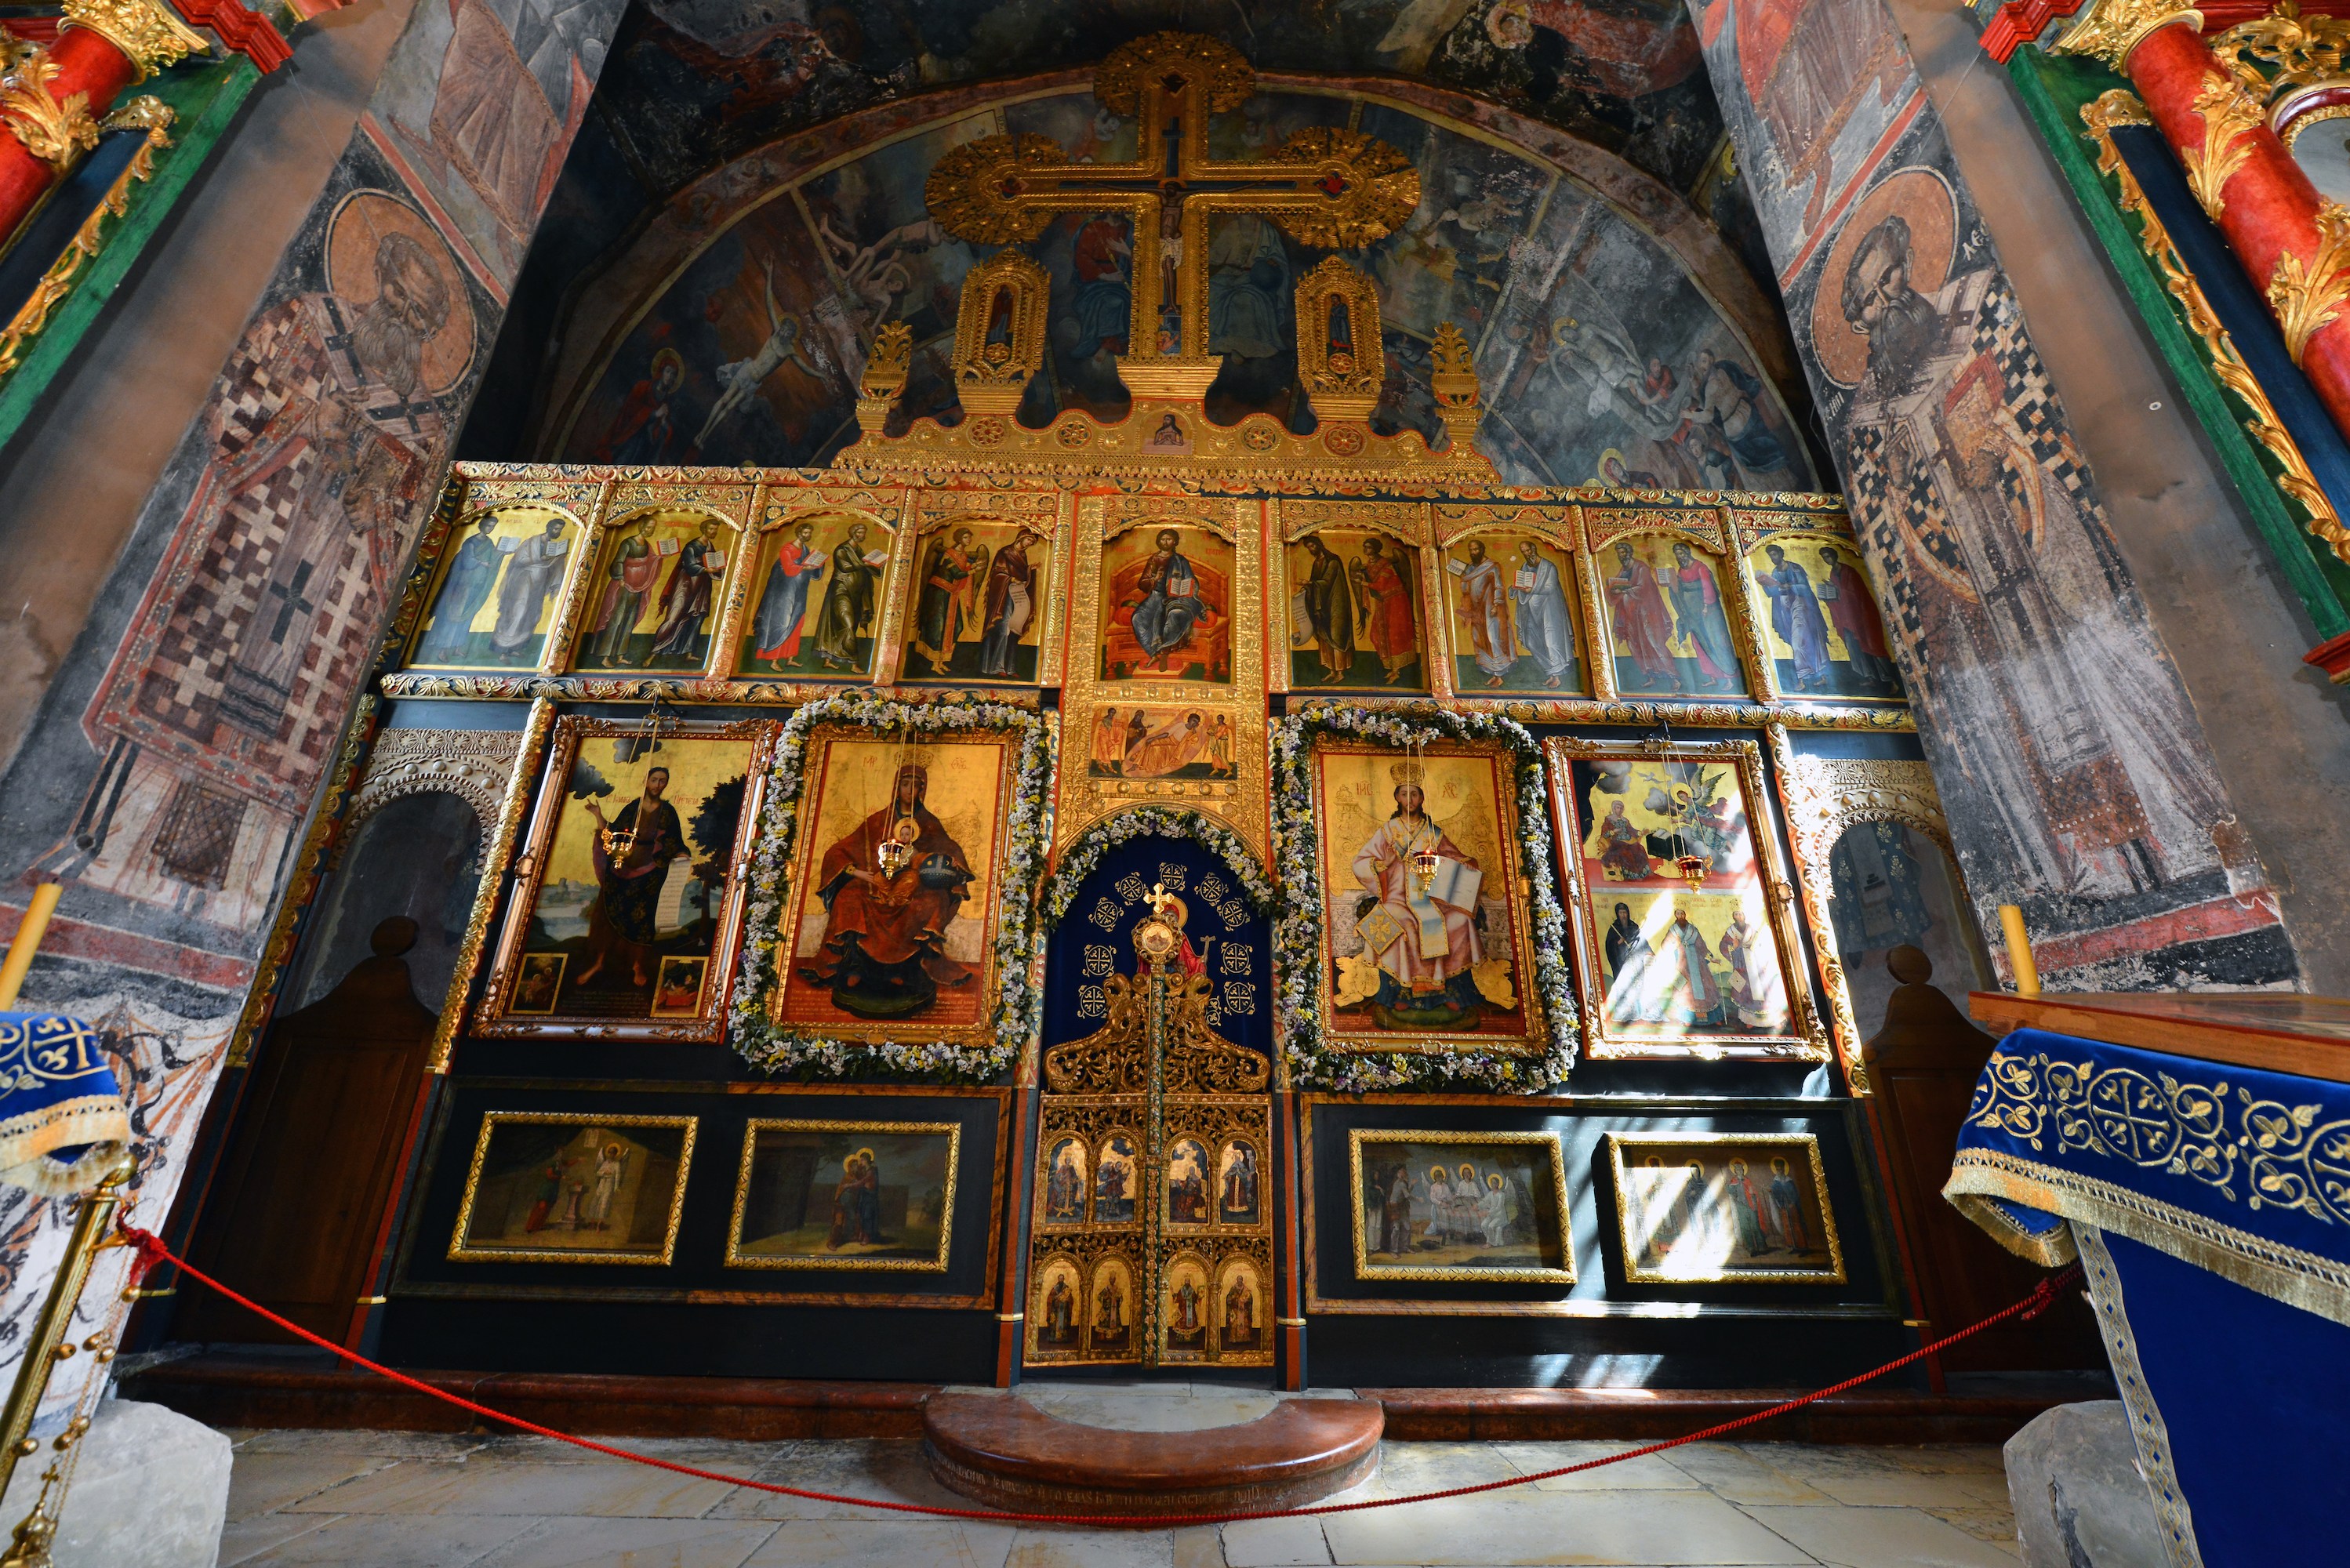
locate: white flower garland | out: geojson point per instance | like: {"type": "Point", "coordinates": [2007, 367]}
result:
{"type": "Point", "coordinates": [1151, 822]}
{"type": "Point", "coordinates": [1297, 933]}
{"type": "Point", "coordinates": [1019, 1009]}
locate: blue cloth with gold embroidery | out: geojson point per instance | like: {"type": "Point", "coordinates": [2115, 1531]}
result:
{"type": "Point", "coordinates": [2209, 1207]}
{"type": "Point", "coordinates": [62, 1120]}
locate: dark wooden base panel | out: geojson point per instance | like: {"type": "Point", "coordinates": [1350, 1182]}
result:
{"type": "Point", "coordinates": [1005, 1452]}
{"type": "Point", "coordinates": [280, 1391]}
{"type": "Point", "coordinates": [262, 1391]}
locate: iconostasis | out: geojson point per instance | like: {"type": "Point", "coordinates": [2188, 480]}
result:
{"type": "Point", "coordinates": [1544, 848]}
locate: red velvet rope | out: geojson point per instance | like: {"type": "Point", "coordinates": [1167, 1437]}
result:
{"type": "Point", "coordinates": [152, 1252]}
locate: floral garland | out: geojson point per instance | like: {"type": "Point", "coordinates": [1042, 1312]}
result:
{"type": "Point", "coordinates": [1019, 1009]}
{"type": "Point", "coordinates": [1298, 934]}
{"type": "Point", "coordinates": [1151, 822]}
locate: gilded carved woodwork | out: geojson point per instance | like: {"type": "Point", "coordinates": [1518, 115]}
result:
{"type": "Point", "coordinates": [148, 32]}
{"type": "Point", "coordinates": [2110, 29]}
{"type": "Point", "coordinates": [2230, 118]}
{"type": "Point", "coordinates": [1326, 186]}
{"type": "Point", "coordinates": [2308, 296]}
{"type": "Point", "coordinates": [1153, 1090]}
{"type": "Point", "coordinates": [886, 366]}
{"type": "Point", "coordinates": [1000, 332]}
{"type": "Point", "coordinates": [2297, 50]}
{"type": "Point", "coordinates": [475, 765]}
{"type": "Point", "coordinates": [2295, 478]}
{"type": "Point", "coordinates": [1343, 376]}
{"type": "Point", "coordinates": [55, 131]}
{"type": "Point", "coordinates": [142, 113]}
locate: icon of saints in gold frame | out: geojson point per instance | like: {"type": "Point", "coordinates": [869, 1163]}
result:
{"type": "Point", "coordinates": [1684, 942]}
{"type": "Point", "coordinates": [976, 611]}
{"type": "Point", "coordinates": [891, 923]}
{"type": "Point", "coordinates": [630, 915]}
{"type": "Point", "coordinates": [1425, 935]}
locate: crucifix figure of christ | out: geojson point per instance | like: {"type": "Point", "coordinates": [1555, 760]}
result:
{"type": "Point", "coordinates": [1326, 186]}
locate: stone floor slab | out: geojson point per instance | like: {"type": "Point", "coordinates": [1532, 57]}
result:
{"type": "Point", "coordinates": [250, 1538]}
{"type": "Point", "coordinates": [613, 1490]}
{"type": "Point", "coordinates": [1736, 1476]}
{"type": "Point", "coordinates": [633, 1543]}
{"type": "Point", "coordinates": [901, 1544]}
{"type": "Point", "coordinates": [263, 1483]}
{"type": "Point", "coordinates": [1275, 1544]}
{"type": "Point", "coordinates": [1546, 1528]}
{"type": "Point", "coordinates": [392, 1541]}
{"type": "Point", "coordinates": [1879, 1537]}
{"type": "Point", "coordinates": [1649, 1474]}
{"type": "Point", "coordinates": [1092, 1549]}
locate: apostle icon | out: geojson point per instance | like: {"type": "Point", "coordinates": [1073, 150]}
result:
{"type": "Point", "coordinates": [1383, 606]}
{"type": "Point", "coordinates": [1187, 1183]}
{"type": "Point", "coordinates": [1114, 1182]}
{"type": "Point", "coordinates": [1058, 1317]}
{"type": "Point", "coordinates": [883, 954]}
{"type": "Point", "coordinates": [1241, 1324]}
{"type": "Point", "coordinates": [1236, 1192]}
{"type": "Point", "coordinates": [782, 603]}
{"type": "Point", "coordinates": [1065, 1188]}
{"type": "Point", "coordinates": [1112, 1330]}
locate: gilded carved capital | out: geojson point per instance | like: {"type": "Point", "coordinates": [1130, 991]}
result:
{"type": "Point", "coordinates": [148, 32]}
{"type": "Point", "coordinates": [2110, 29]}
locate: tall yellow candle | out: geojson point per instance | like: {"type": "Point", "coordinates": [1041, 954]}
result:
{"type": "Point", "coordinates": [27, 938]}
{"type": "Point", "coordinates": [2019, 951]}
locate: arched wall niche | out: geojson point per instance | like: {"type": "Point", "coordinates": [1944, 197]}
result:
{"type": "Point", "coordinates": [773, 272]}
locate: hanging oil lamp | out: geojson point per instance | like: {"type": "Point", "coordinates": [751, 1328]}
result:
{"type": "Point", "coordinates": [619, 841]}
{"type": "Point", "coordinates": [1424, 857]}
{"type": "Point", "coordinates": [893, 852]}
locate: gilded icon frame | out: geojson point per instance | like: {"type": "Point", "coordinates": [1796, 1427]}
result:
{"type": "Point", "coordinates": [1751, 531]}
{"type": "Point", "coordinates": [496, 1018]}
{"type": "Point", "coordinates": [1707, 531]}
{"type": "Point", "coordinates": [1509, 811]}
{"type": "Point", "coordinates": [581, 536]}
{"type": "Point", "coordinates": [459, 1252]}
{"type": "Point", "coordinates": [1554, 1191]}
{"type": "Point", "coordinates": [738, 1259]}
{"type": "Point", "coordinates": [805, 858]}
{"type": "Point", "coordinates": [1835, 1273]}
{"type": "Point", "coordinates": [1807, 1038]}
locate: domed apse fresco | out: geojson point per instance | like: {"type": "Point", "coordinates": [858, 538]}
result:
{"type": "Point", "coordinates": [732, 326]}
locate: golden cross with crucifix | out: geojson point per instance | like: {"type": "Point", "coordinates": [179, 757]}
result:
{"type": "Point", "coordinates": [1326, 186]}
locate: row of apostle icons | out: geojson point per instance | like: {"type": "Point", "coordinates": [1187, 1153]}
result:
{"type": "Point", "coordinates": [1211, 1310]}
{"type": "Point", "coordinates": [1095, 1183]}
{"type": "Point", "coordinates": [630, 917]}
{"type": "Point", "coordinates": [1693, 604]}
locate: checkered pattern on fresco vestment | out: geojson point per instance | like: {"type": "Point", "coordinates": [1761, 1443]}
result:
{"type": "Point", "coordinates": [1869, 492]}
{"type": "Point", "coordinates": [2029, 393]}
{"type": "Point", "coordinates": [270, 388]}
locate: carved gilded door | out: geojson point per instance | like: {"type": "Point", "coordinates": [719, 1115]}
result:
{"type": "Point", "coordinates": [1151, 1240]}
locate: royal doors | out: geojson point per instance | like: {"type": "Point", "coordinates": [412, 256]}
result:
{"type": "Point", "coordinates": [1151, 1238]}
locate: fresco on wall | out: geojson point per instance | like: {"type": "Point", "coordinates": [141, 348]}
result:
{"type": "Point", "coordinates": [749, 349]}
{"type": "Point", "coordinates": [2067, 751]}
{"type": "Point", "coordinates": [166, 783]}
{"type": "Point", "coordinates": [701, 81]}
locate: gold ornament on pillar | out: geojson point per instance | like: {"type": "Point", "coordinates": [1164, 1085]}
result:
{"type": "Point", "coordinates": [1000, 332]}
{"type": "Point", "coordinates": [1453, 379]}
{"type": "Point", "coordinates": [887, 365]}
{"type": "Point", "coordinates": [147, 31]}
{"type": "Point", "coordinates": [55, 131]}
{"type": "Point", "coordinates": [2229, 116]}
{"type": "Point", "coordinates": [2110, 29]}
{"type": "Point", "coordinates": [2307, 297]}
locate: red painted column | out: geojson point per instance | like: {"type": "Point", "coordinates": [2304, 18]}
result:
{"type": "Point", "coordinates": [80, 62]}
{"type": "Point", "coordinates": [2265, 205]}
